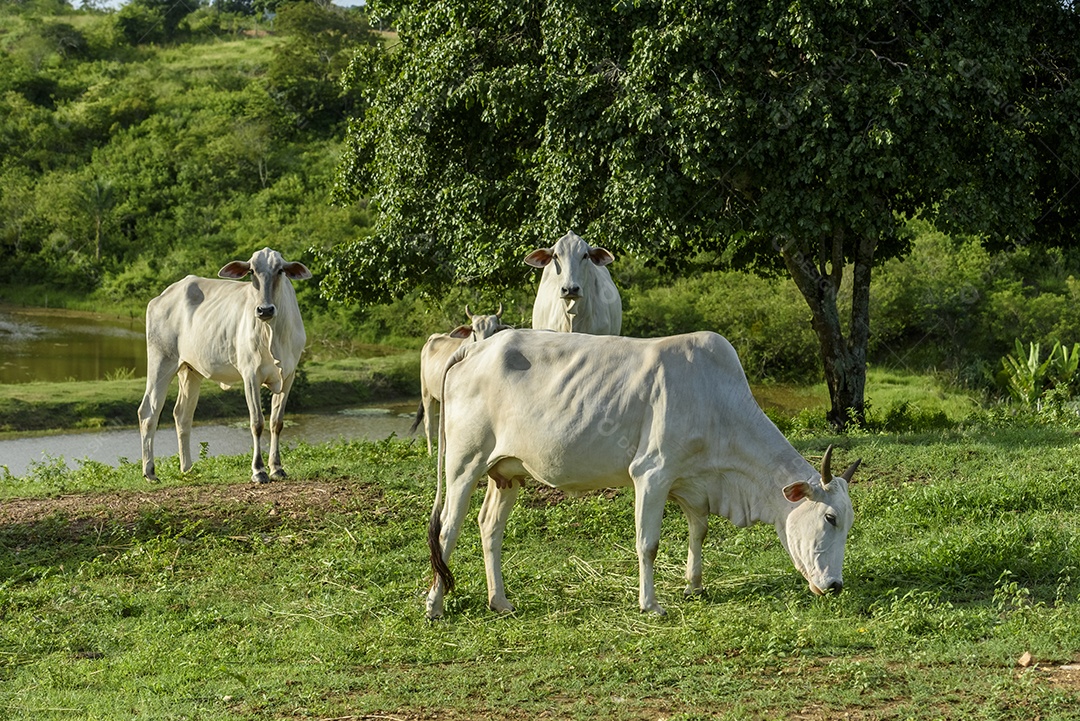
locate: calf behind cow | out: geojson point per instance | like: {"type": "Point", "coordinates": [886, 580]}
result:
{"type": "Point", "coordinates": [671, 417]}
{"type": "Point", "coordinates": [228, 332]}
{"type": "Point", "coordinates": [576, 293]}
{"type": "Point", "coordinates": [438, 350]}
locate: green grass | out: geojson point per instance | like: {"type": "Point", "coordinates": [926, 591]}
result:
{"type": "Point", "coordinates": [885, 389]}
{"type": "Point", "coordinates": [215, 600]}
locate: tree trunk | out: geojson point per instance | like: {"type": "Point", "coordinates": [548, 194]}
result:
{"type": "Point", "coordinates": [843, 358]}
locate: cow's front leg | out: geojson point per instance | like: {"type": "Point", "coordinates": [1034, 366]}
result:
{"type": "Point", "coordinates": [277, 422]}
{"type": "Point", "coordinates": [649, 499]}
{"type": "Point", "coordinates": [498, 503]}
{"type": "Point", "coordinates": [158, 374]}
{"type": "Point", "coordinates": [697, 518]}
{"type": "Point", "coordinates": [255, 415]}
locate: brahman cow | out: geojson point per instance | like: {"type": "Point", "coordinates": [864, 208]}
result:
{"type": "Point", "coordinates": [576, 293]}
{"type": "Point", "coordinates": [671, 417]}
{"type": "Point", "coordinates": [438, 350]}
{"type": "Point", "coordinates": [228, 332]}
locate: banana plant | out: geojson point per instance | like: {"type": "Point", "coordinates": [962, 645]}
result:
{"type": "Point", "coordinates": [1026, 380]}
{"type": "Point", "coordinates": [1063, 369]}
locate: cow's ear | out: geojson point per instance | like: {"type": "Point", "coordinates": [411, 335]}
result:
{"type": "Point", "coordinates": [539, 258]}
{"type": "Point", "coordinates": [601, 256]}
{"type": "Point", "coordinates": [235, 269]}
{"type": "Point", "coordinates": [296, 271]}
{"type": "Point", "coordinates": [798, 490]}
{"type": "Point", "coordinates": [462, 331]}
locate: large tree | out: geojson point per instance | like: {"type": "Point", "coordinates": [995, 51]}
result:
{"type": "Point", "coordinates": [779, 137]}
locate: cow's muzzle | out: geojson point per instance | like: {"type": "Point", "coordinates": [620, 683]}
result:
{"type": "Point", "coordinates": [833, 589]}
{"type": "Point", "coordinates": [265, 312]}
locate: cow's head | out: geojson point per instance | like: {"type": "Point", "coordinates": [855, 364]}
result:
{"type": "Point", "coordinates": [816, 529]}
{"type": "Point", "coordinates": [565, 266]}
{"type": "Point", "coordinates": [480, 326]}
{"type": "Point", "coordinates": [267, 269]}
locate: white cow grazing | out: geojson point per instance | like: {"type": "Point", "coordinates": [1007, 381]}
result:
{"type": "Point", "coordinates": [671, 417]}
{"type": "Point", "coordinates": [228, 332]}
{"type": "Point", "coordinates": [576, 293]}
{"type": "Point", "coordinates": [438, 350]}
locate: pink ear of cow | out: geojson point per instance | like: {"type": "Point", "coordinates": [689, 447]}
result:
{"type": "Point", "coordinates": [539, 258]}
{"type": "Point", "coordinates": [601, 256]}
{"type": "Point", "coordinates": [462, 331]}
{"type": "Point", "coordinates": [235, 269]}
{"type": "Point", "coordinates": [797, 491]}
{"type": "Point", "coordinates": [296, 271]}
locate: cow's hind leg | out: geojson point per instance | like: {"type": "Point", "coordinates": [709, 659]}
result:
{"type": "Point", "coordinates": [255, 415]}
{"type": "Point", "coordinates": [498, 503]}
{"type": "Point", "coordinates": [158, 375]}
{"type": "Point", "coordinates": [426, 404]}
{"type": "Point", "coordinates": [446, 527]}
{"type": "Point", "coordinates": [187, 398]}
{"type": "Point", "coordinates": [277, 422]}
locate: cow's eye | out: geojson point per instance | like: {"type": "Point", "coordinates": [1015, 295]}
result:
{"type": "Point", "coordinates": [830, 518]}
{"type": "Point", "coordinates": [255, 281]}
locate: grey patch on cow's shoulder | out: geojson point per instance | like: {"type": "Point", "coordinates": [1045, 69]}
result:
{"type": "Point", "coordinates": [515, 360]}
{"type": "Point", "coordinates": [194, 294]}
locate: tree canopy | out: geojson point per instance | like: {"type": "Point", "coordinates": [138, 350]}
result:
{"type": "Point", "coordinates": [782, 135]}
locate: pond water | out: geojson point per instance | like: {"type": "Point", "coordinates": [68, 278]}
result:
{"type": "Point", "coordinates": [42, 344]}
{"type": "Point", "coordinates": [374, 422]}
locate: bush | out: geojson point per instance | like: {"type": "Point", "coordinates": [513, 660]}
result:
{"type": "Point", "coordinates": [766, 319]}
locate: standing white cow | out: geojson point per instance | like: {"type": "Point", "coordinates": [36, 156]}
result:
{"type": "Point", "coordinates": [671, 417]}
{"type": "Point", "coordinates": [576, 293]}
{"type": "Point", "coordinates": [228, 332]}
{"type": "Point", "coordinates": [438, 350]}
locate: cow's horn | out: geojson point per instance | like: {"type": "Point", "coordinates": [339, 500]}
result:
{"type": "Point", "coordinates": [826, 469]}
{"type": "Point", "coordinates": [846, 475]}
{"type": "Point", "coordinates": [467, 313]}
{"type": "Point", "coordinates": [498, 313]}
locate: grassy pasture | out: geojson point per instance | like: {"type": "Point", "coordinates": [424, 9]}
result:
{"type": "Point", "coordinates": [203, 597]}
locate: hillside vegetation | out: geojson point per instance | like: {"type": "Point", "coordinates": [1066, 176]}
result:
{"type": "Point", "coordinates": [127, 164]}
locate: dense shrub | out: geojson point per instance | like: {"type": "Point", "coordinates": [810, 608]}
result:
{"type": "Point", "coordinates": [766, 319]}
{"type": "Point", "coordinates": [951, 304]}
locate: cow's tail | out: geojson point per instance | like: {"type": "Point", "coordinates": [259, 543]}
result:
{"type": "Point", "coordinates": [438, 564]}
{"type": "Point", "coordinates": [419, 418]}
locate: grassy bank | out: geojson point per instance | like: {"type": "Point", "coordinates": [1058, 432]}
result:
{"type": "Point", "coordinates": [206, 598]}
{"type": "Point", "coordinates": [326, 384]}
{"type": "Point", "coordinates": [347, 381]}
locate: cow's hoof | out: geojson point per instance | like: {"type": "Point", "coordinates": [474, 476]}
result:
{"type": "Point", "coordinates": [693, 592]}
{"type": "Point", "coordinates": [260, 477]}
{"type": "Point", "coordinates": [655, 609]}
{"type": "Point", "coordinates": [504, 607]}
{"type": "Point", "coordinates": [279, 475]}
{"type": "Point", "coordinates": [152, 477]}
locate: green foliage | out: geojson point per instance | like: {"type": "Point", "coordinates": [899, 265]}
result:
{"type": "Point", "coordinates": [765, 319]}
{"type": "Point", "coordinates": [124, 169]}
{"type": "Point", "coordinates": [953, 304]}
{"type": "Point", "coordinates": [303, 75]}
{"type": "Point", "coordinates": [1029, 381]}
{"type": "Point", "coordinates": [657, 131]}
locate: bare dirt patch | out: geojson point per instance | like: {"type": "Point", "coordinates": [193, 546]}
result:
{"type": "Point", "coordinates": [1066, 677]}
{"type": "Point", "coordinates": [277, 501]}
